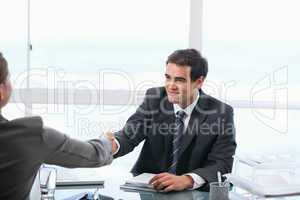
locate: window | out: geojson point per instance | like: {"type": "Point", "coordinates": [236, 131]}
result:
{"type": "Point", "coordinates": [86, 53]}
{"type": "Point", "coordinates": [13, 45]}
{"type": "Point", "coordinates": [13, 40]}
{"type": "Point", "coordinates": [253, 53]}
{"type": "Point", "coordinates": [82, 48]}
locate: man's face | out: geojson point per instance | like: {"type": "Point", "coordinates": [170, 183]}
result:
{"type": "Point", "coordinates": [5, 92]}
{"type": "Point", "coordinates": [180, 88]}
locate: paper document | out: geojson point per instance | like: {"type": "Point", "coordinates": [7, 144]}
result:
{"type": "Point", "coordinates": [268, 185]}
{"type": "Point", "coordinates": [268, 161]}
{"type": "Point", "coordinates": [140, 182]}
{"type": "Point", "coordinates": [79, 176]}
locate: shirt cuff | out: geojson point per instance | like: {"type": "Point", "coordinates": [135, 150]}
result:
{"type": "Point", "coordinates": [107, 145]}
{"type": "Point", "coordinates": [106, 142]}
{"type": "Point", "coordinates": [198, 180]}
{"type": "Point", "coordinates": [118, 146]}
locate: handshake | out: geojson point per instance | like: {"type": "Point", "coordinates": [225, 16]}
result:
{"type": "Point", "coordinates": [111, 137]}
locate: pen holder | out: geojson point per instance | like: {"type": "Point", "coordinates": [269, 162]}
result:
{"type": "Point", "coordinates": [219, 191]}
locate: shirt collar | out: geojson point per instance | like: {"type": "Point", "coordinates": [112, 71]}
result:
{"type": "Point", "coordinates": [189, 109]}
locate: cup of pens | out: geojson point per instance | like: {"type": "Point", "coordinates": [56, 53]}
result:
{"type": "Point", "coordinates": [219, 190]}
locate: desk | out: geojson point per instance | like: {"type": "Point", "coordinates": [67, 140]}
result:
{"type": "Point", "coordinates": [112, 189]}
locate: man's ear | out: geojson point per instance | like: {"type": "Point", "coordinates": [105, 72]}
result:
{"type": "Point", "coordinates": [199, 82]}
{"type": "Point", "coordinates": [1, 92]}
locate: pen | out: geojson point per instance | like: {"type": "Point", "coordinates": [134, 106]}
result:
{"type": "Point", "coordinates": [219, 178]}
{"type": "Point", "coordinates": [96, 194]}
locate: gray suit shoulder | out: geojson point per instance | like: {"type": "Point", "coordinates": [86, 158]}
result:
{"type": "Point", "coordinates": [215, 103]}
{"type": "Point", "coordinates": [156, 91]}
{"type": "Point", "coordinates": [35, 123]}
{"type": "Point", "coordinates": [154, 96]}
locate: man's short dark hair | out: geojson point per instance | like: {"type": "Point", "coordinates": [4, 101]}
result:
{"type": "Point", "coordinates": [191, 58]}
{"type": "Point", "coordinates": [3, 69]}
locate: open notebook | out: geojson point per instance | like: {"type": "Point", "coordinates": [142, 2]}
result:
{"type": "Point", "coordinates": [77, 177]}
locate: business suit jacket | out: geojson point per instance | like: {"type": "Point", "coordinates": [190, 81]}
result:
{"type": "Point", "coordinates": [25, 144]}
{"type": "Point", "coordinates": [207, 146]}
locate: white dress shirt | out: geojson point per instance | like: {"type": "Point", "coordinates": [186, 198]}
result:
{"type": "Point", "coordinates": [198, 180]}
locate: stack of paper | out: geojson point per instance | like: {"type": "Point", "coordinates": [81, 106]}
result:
{"type": "Point", "coordinates": [267, 175]}
{"type": "Point", "coordinates": [268, 161]}
{"type": "Point", "coordinates": [140, 182]}
{"type": "Point", "coordinates": [266, 185]}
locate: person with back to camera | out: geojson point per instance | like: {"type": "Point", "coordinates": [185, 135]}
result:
{"type": "Point", "coordinates": [25, 144]}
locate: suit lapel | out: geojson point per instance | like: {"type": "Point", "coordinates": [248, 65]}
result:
{"type": "Point", "coordinates": [2, 119]}
{"type": "Point", "coordinates": [197, 117]}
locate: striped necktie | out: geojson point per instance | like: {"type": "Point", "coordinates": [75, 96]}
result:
{"type": "Point", "coordinates": [177, 137]}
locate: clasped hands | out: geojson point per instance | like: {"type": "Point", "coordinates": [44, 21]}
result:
{"type": "Point", "coordinates": [114, 147]}
{"type": "Point", "coordinates": [164, 181]}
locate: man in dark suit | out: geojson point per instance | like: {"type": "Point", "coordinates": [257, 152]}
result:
{"type": "Point", "coordinates": [25, 144]}
{"type": "Point", "coordinates": [189, 136]}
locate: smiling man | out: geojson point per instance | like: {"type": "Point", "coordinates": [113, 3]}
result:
{"type": "Point", "coordinates": [189, 136]}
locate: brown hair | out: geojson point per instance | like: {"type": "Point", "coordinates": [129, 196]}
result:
{"type": "Point", "coordinates": [3, 69]}
{"type": "Point", "coordinates": [191, 58]}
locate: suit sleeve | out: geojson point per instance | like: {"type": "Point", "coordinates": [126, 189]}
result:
{"type": "Point", "coordinates": [65, 151]}
{"type": "Point", "coordinates": [135, 129]}
{"type": "Point", "coordinates": [220, 158]}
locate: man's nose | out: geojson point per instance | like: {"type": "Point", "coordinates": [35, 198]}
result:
{"type": "Point", "coordinates": [172, 85]}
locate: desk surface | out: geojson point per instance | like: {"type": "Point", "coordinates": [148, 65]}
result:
{"type": "Point", "coordinates": [112, 189]}
{"type": "Point", "coordinates": [120, 194]}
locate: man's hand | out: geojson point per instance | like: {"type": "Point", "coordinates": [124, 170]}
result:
{"type": "Point", "coordinates": [110, 136]}
{"type": "Point", "coordinates": [170, 182]}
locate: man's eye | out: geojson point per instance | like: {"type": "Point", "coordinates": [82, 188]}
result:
{"type": "Point", "coordinates": [180, 80]}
